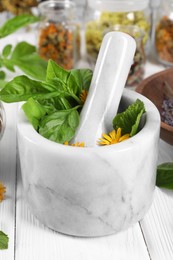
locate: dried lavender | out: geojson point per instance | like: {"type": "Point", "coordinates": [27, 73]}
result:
{"type": "Point", "coordinates": [167, 111]}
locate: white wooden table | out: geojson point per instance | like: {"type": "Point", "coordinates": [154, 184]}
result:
{"type": "Point", "coordinates": [152, 238]}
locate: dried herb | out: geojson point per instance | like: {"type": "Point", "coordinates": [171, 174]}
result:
{"type": "Point", "coordinates": [17, 7]}
{"type": "Point", "coordinates": [56, 42]}
{"type": "Point", "coordinates": [167, 111]}
{"type": "Point", "coordinates": [167, 104]}
{"type": "Point", "coordinates": [164, 39]}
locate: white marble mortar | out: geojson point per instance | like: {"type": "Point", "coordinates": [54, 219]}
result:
{"type": "Point", "coordinates": [92, 191]}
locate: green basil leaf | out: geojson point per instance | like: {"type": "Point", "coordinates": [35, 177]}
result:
{"type": "Point", "coordinates": [8, 64]}
{"type": "Point", "coordinates": [55, 71]}
{"type": "Point", "coordinates": [129, 120]}
{"type": "Point", "coordinates": [33, 66]}
{"type": "Point", "coordinates": [135, 127]}
{"type": "Point", "coordinates": [65, 103]}
{"type": "Point", "coordinates": [72, 81]}
{"type": "Point", "coordinates": [55, 103]}
{"type": "Point", "coordinates": [21, 88]}
{"type": "Point", "coordinates": [3, 240]}
{"type": "Point", "coordinates": [57, 84]}
{"type": "Point", "coordinates": [52, 104]}
{"type": "Point", "coordinates": [13, 24]}
{"type": "Point", "coordinates": [2, 75]}
{"type": "Point", "coordinates": [34, 112]}
{"type": "Point", "coordinates": [164, 177]}
{"type": "Point", "coordinates": [2, 83]}
{"type": "Point", "coordinates": [22, 49]}
{"type": "Point", "coordinates": [26, 58]}
{"type": "Point", "coordinates": [79, 79]}
{"type": "Point", "coordinates": [60, 126]}
{"type": "Point", "coordinates": [7, 50]}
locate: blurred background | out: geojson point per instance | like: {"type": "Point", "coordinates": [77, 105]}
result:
{"type": "Point", "coordinates": [71, 31]}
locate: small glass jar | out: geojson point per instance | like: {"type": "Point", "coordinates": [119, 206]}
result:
{"type": "Point", "coordinates": [164, 34]}
{"type": "Point", "coordinates": [102, 15]}
{"type": "Point", "coordinates": [59, 36]}
{"type": "Point", "coordinates": [2, 120]}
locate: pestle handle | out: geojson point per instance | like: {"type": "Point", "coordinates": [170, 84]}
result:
{"type": "Point", "coordinates": [110, 74]}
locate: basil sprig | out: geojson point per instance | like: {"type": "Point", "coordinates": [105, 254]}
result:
{"type": "Point", "coordinates": [25, 57]}
{"type": "Point", "coordinates": [52, 105]}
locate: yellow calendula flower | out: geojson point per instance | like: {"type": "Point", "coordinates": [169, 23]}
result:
{"type": "Point", "coordinates": [83, 95]}
{"type": "Point", "coordinates": [2, 191]}
{"type": "Point", "coordinates": [113, 137]}
{"type": "Point", "coordinates": [77, 144]}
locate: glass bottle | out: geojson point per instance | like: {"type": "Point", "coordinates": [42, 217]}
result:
{"type": "Point", "coordinates": [164, 34]}
{"type": "Point", "coordinates": [2, 120]}
{"type": "Point", "coordinates": [136, 72]}
{"type": "Point", "coordinates": [102, 15]}
{"type": "Point", "coordinates": [59, 36]}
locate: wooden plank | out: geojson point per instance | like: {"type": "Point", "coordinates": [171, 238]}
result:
{"type": "Point", "coordinates": [8, 177]}
{"type": "Point", "coordinates": [158, 223]}
{"type": "Point", "coordinates": [158, 226]}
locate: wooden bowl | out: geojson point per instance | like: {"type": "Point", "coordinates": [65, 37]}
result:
{"type": "Point", "coordinates": [153, 88]}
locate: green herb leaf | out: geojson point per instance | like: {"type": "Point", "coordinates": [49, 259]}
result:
{"type": "Point", "coordinates": [32, 65]}
{"type": "Point", "coordinates": [79, 79]}
{"type": "Point", "coordinates": [26, 58]}
{"type": "Point", "coordinates": [55, 103]}
{"type": "Point", "coordinates": [17, 22]}
{"type": "Point", "coordinates": [72, 82]}
{"type": "Point", "coordinates": [2, 75]}
{"type": "Point", "coordinates": [22, 49]}
{"type": "Point", "coordinates": [8, 64]}
{"type": "Point", "coordinates": [55, 71]}
{"type": "Point", "coordinates": [165, 176]}
{"type": "Point", "coordinates": [57, 84]}
{"type": "Point", "coordinates": [34, 111]}
{"type": "Point", "coordinates": [2, 83]}
{"type": "Point", "coordinates": [134, 128]}
{"type": "Point", "coordinates": [3, 240]}
{"type": "Point", "coordinates": [7, 50]}
{"type": "Point", "coordinates": [21, 88]}
{"type": "Point", "coordinates": [64, 103]}
{"type": "Point", "coordinates": [129, 120]}
{"type": "Point", "coordinates": [60, 126]}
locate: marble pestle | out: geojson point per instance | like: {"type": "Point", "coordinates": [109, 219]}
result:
{"type": "Point", "coordinates": [110, 74]}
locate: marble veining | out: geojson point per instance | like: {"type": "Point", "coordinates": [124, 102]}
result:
{"type": "Point", "coordinates": [91, 191]}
